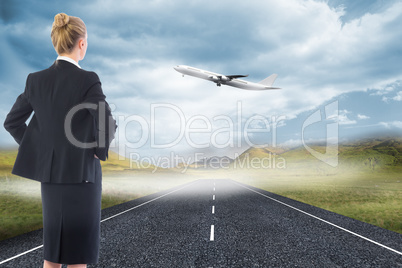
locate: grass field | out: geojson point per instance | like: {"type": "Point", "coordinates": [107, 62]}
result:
{"type": "Point", "coordinates": [366, 185]}
{"type": "Point", "coordinates": [21, 206]}
{"type": "Point", "coordinates": [374, 197]}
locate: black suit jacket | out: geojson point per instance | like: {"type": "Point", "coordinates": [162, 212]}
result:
{"type": "Point", "coordinates": [71, 122]}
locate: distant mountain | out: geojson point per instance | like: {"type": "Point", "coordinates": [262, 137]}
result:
{"type": "Point", "coordinates": [372, 153]}
{"type": "Point", "coordinates": [391, 147]}
{"type": "Point", "coordinates": [366, 153]}
{"type": "Point", "coordinates": [262, 152]}
{"type": "Point", "coordinates": [369, 153]}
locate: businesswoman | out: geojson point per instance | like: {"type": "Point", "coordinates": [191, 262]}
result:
{"type": "Point", "coordinates": [67, 136]}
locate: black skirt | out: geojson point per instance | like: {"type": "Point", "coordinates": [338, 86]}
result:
{"type": "Point", "coordinates": [71, 221]}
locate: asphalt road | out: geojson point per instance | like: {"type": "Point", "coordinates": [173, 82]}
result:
{"type": "Point", "coordinates": [222, 223]}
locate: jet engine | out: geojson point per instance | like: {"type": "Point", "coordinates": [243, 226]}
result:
{"type": "Point", "coordinates": [219, 79]}
{"type": "Point", "coordinates": [224, 78]}
{"type": "Point", "coordinates": [214, 78]}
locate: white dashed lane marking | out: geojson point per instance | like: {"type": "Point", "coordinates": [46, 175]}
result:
{"type": "Point", "coordinates": [212, 236]}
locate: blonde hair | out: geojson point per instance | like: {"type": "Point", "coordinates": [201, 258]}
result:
{"type": "Point", "coordinates": [66, 31]}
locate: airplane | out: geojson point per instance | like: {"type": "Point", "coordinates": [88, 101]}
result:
{"type": "Point", "coordinates": [230, 80]}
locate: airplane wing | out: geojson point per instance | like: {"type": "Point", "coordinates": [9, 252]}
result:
{"type": "Point", "coordinates": [236, 76]}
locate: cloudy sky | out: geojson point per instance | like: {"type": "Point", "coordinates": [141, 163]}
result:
{"type": "Point", "coordinates": [335, 52]}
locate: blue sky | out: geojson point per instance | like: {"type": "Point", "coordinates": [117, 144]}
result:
{"type": "Point", "coordinates": [348, 52]}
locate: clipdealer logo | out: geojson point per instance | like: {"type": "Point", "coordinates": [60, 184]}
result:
{"type": "Point", "coordinates": [196, 131]}
{"type": "Point", "coordinates": [236, 130]}
{"type": "Point", "coordinates": [330, 116]}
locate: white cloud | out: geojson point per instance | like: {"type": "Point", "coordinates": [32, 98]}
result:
{"type": "Point", "coordinates": [343, 118]}
{"type": "Point", "coordinates": [398, 96]}
{"type": "Point", "coordinates": [316, 57]}
{"type": "Point", "coordinates": [292, 143]}
{"type": "Point", "coordinates": [362, 117]}
{"type": "Point", "coordinates": [135, 44]}
{"type": "Point", "coordinates": [388, 88]}
{"type": "Point", "coordinates": [393, 124]}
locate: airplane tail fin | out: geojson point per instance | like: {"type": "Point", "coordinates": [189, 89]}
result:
{"type": "Point", "coordinates": [269, 80]}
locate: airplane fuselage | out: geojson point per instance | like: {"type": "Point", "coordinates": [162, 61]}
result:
{"type": "Point", "coordinates": [220, 79]}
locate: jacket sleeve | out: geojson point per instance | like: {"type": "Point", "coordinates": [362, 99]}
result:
{"type": "Point", "coordinates": [104, 122]}
{"type": "Point", "coordinates": [16, 118]}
